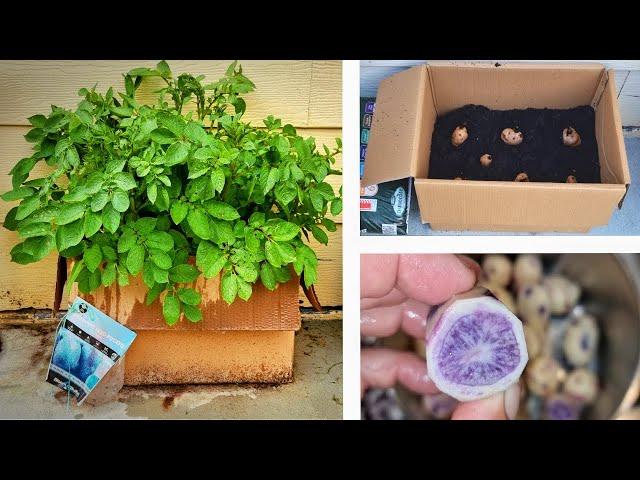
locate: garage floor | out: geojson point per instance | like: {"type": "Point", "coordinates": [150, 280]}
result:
{"type": "Point", "coordinates": [315, 393]}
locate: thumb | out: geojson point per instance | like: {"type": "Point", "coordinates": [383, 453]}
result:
{"type": "Point", "coordinates": [501, 406]}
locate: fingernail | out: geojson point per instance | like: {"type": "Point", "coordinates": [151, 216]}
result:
{"type": "Point", "coordinates": [470, 264]}
{"type": "Point", "coordinates": [512, 401]}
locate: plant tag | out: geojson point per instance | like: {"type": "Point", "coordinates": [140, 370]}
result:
{"type": "Point", "coordinates": [88, 343]}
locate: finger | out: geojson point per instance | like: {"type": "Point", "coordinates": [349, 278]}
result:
{"type": "Point", "coordinates": [394, 297]}
{"type": "Point", "coordinates": [410, 316]}
{"type": "Point", "coordinates": [377, 274]}
{"type": "Point", "coordinates": [501, 406]}
{"type": "Point", "coordinates": [432, 278]}
{"type": "Point", "coordinates": [384, 368]}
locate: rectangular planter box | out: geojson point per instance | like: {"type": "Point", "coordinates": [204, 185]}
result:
{"type": "Point", "coordinates": [243, 342]}
{"type": "Point", "coordinates": [409, 102]}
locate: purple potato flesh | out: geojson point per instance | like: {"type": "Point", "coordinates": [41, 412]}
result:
{"type": "Point", "coordinates": [475, 346]}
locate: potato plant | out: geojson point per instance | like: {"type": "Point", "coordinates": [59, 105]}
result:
{"type": "Point", "coordinates": [139, 189]}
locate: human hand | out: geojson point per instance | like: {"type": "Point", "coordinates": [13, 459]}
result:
{"type": "Point", "coordinates": [396, 293]}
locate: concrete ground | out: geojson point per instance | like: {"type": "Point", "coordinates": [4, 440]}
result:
{"type": "Point", "coordinates": [315, 393]}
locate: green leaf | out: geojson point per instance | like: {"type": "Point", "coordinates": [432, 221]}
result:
{"type": "Point", "coordinates": [27, 207]}
{"type": "Point", "coordinates": [125, 181]}
{"type": "Point", "coordinates": [221, 210]}
{"type": "Point", "coordinates": [99, 201]}
{"type": "Point", "coordinates": [69, 235]}
{"type": "Point", "coordinates": [192, 313]}
{"type": "Point", "coordinates": [120, 201]}
{"type": "Point", "coordinates": [319, 234]}
{"type": "Point", "coordinates": [248, 272]}
{"type": "Point", "coordinates": [286, 193]}
{"type": "Point", "coordinates": [268, 276]}
{"type": "Point", "coordinates": [178, 212]}
{"type": "Point", "coordinates": [108, 253]}
{"type": "Point", "coordinates": [195, 133]}
{"type": "Point", "coordinates": [272, 252]}
{"type": "Point", "coordinates": [135, 259]}
{"type": "Point", "coordinates": [92, 257]}
{"type": "Point", "coordinates": [171, 310]}
{"type": "Point", "coordinates": [310, 275]}
{"type": "Point", "coordinates": [177, 153]}
{"type": "Point", "coordinates": [126, 241]}
{"type": "Point", "coordinates": [70, 212]}
{"type": "Point", "coordinates": [10, 222]}
{"type": "Point", "coordinates": [272, 178]}
{"type": "Point", "coordinates": [325, 190]}
{"type": "Point", "coordinates": [174, 123]}
{"type": "Point", "coordinates": [199, 223]}
{"type": "Point", "coordinates": [161, 259]}
{"type": "Point", "coordinates": [183, 273]}
{"type": "Point", "coordinates": [330, 225]}
{"type": "Point", "coordinates": [160, 240]}
{"type": "Point", "coordinates": [284, 231]}
{"type": "Point", "coordinates": [110, 219]}
{"type": "Point", "coordinates": [244, 289]}
{"type": "Point", "coordinates": [154, 293]}
{"type": "Point", "coordinates": [336, 207]}
{"type": "Point", "coordinates": [35, 135]}
{"type": "Point", "coordinates": [17, 194]}
{"type": "Point", "coordinates": [317, 200]}
{"type": "Point", "coordinates": [163, 136]}
{"type": "Point", "coordinates": [189, 296]}
{"type": "Point", "coordinates": [210, 259]}
{"type": "Point", "coordinates": [217, 180]}
{"type": "Point", "coordinates": [92, 223]}
{"type": "Point", "coordinates": [145, 225]}
{"type": "Point", "coordinates": [109, 274]}
{"type": "Point", "coordinates": [163, 69]}
{"type": "Point", "coordinates": [257, 219]}
{"type": "Point", "coordinates": [35, 230]}
{"type": "Point", "coordinates": [283, 274]}
{"type": "Point", "coordinates": [286, 251]}
{"type": "Point", "coordinates": [229, 287]}
{"type": "Point", "coordinates": [251, 241]}
{"type": "Point", "coordinates": [37, 120]}
{"type": "Point", "coordinates": [152, 192]}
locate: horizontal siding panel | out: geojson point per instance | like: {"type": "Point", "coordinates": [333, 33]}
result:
{"type": "Point", "coordinates": [325, 102]}
{"type": "Point", "coordinates": [282, 87]}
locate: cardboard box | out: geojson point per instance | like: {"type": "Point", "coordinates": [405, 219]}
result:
{"type": "Point", "coordinates": [409, 102]}
{"type": "Point", "coordinates": [243, 342]}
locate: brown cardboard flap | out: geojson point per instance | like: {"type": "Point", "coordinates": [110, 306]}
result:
{"type": "Point", "coordinates": [401, 130]}
{"type": "Point", "coordinates": [614, 166]}
{"type": "Point", "coordinates": [513, 85]}
{"type": "Point", "coordinates": [505, 206]}
{"type": "Point", "coordinates": [265, 310]}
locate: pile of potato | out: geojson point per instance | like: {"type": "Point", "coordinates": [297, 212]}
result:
{"type": "Point", "coordinates": [560, 373]}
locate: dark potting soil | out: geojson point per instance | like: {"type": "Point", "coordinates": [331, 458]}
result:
{"type": "Point", "coordinates": [541, 155]}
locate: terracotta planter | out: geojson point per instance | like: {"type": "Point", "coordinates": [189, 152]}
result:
{"type": "Point", "coordinates": [244, 342]}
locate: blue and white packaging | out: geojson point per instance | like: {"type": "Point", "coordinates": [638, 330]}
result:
{"type": "Point", "coordinates": [88, 343]}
